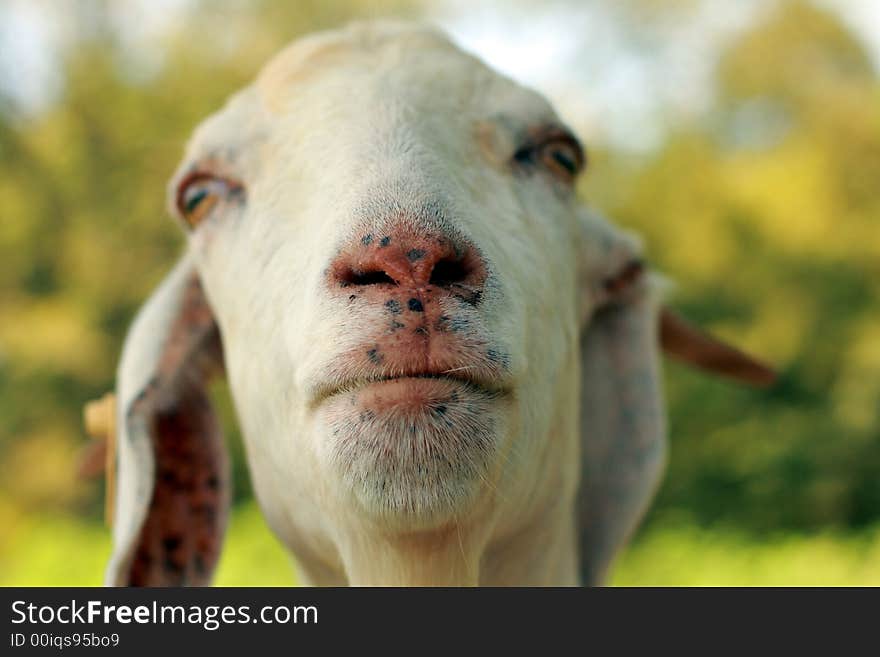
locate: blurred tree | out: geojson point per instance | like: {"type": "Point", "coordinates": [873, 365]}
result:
{"type": "Point", "coordinates": [767, 214]}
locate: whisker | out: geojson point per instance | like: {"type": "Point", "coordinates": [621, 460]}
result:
{"type": "Point", "coordinates": [459, 369]}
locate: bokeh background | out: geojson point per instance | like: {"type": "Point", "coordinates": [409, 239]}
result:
{"type": "Point", "coordinates": [742, 139]}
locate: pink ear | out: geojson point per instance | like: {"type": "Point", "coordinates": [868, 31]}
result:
{"type": "Point", "coordinates": [685, 342]}
{"type": "Point", "coordinates": [173, 483]}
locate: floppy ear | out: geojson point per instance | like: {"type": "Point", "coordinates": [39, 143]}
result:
{"type": "Point", "coordinates": [623, 423]}
{"type": "Point", "coordinates": [173, 482]}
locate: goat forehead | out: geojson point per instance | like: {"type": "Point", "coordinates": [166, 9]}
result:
{"type": "Point", "coordinates": [312, 55]}
{"type": "Point", "coordinates": [385, 88]}
{"type": "Point", "coordinates": [374, 64]}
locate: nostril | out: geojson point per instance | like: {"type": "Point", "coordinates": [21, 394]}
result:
{"type": "Point", "coordinates": [374, 277]}
{"type": "Point", "coordinates": [448, 272]}
{"type": "Point", "coordinates": [412, 262]}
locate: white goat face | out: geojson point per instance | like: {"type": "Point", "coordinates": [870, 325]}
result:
{"type": "Point", "coordinates": [384, 233]}
{"type": "Point", "coordinates": [394, 270]}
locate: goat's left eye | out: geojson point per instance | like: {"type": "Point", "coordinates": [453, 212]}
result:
{"type": "Point", "coordinates": [562, 157]}
{"type": "Point", "coordinates": [559, 154]}
{"type": "Point", "coordinates": [199, 193]}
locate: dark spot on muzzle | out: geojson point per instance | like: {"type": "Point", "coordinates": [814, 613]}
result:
{"type": "Point", "coordinates": [171, 543]}
{"type": "Point", "coordinates": [375, 356]}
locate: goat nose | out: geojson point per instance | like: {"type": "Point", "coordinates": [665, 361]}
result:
{"type": "Point", "coordinates": [425, 262]}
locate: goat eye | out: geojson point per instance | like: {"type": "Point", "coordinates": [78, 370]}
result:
{"type": "Point", "coordinates": [558, 153]}
{"type": "Point", "coordinates": [199, 193]}
{"type": "Point", "coordinates": [562, 157]}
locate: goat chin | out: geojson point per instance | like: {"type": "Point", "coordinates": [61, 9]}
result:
{"type": "Point", "coordinates": [413, 452]}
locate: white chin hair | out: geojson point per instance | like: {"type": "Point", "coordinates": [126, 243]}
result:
{"type": "Point", "coordinates": [419, 466]}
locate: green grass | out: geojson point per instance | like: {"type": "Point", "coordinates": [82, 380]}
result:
{"type": "Point", "coordinates": [687, 556]}
{"type": "Point", "coordinates": [65, 551]}
{"type": "Point", "coordinates": [55, 550]}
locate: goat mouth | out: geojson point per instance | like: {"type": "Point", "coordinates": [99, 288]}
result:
{"type": "Point", "coordinates": [419, 381]}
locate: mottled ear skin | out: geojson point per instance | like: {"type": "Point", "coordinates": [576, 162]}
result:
{"type": "Point", "coordinates": [173, 479]}
{"type": "Point", "coordinates": [623, 428]}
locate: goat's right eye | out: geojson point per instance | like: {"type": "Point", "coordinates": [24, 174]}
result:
{"type": "Point", "coordinates": [199, 193]}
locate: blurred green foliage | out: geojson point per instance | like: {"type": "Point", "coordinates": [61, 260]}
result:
{"type": "Point", "coordinates": [765, 213]}
{"type": "Point", "coordinates": [676, 555]}
{"type": "Point", "coordinates": [764, 210]}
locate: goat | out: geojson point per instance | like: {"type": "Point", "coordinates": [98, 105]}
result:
{"type": "Point", "coordinates": [444, 366]}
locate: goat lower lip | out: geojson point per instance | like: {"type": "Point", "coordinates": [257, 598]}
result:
{"type": "Point", "coordinates": [409, 396]}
